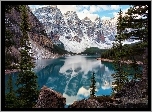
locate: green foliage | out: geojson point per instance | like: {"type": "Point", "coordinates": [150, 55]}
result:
{"type": "Point", "coordinates": [140, 31]}
{"type": "Point", "coordinates": [108, 54]}
{"type": "Point", "coordinates": [139, 28]}
{"type": "Point", "coordinates": [10, 97]}
{"type": "Point", "coordinates": [27, 80]}
{"type": "Point", "coordinates": [61, 46]}
{"type": "Point", "coordinates": [59, 50]}
{"type": "Point", "coordinates": [134, 49]}
{"type": "Point", "coordinates": [93, 86]}
{"type": "Point", "coordinates": [133, 53]}
{"type": "Point", "coordinates": [8, 39]}
{"type": "Point", "coordinates": [136, 69]}
{"type": "Point", "coordinates": [121, 76]}
{"type": "Point", "coordinates": [140, 25]}
{"type": "Point", "coordinates": [8, 44]}
{"type": "Point", "coordinates": [93, 51]}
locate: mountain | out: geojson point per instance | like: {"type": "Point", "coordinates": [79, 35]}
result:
{"type": "Point", "coordinates": [42, 46]}
{"type": "Point", "coordinates": [76, 34]}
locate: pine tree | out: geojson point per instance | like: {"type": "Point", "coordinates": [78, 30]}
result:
{"type": "Point", "coordinates": [8, 44]}
{"type": "Point", "coordinates": [93, 86]}
{"type": "Point", "coordinates": [139, 26]}
{"type": "Point", "coordinates": [10, 97]}
{"type": "Point", "coordinates": [137, 20]}
{"type": "Point", "coordinates": [27, 80]}
{"type": "Point", "coordinates": [120, 76]}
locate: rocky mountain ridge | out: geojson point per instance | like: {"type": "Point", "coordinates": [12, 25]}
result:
{"type": "Point", "coordinates": [76, 34]}
{"type": "Point", "coordinates": [41, 45]}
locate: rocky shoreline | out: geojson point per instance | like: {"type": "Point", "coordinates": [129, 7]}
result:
{"type": "Point", "coordinates": [17, 70]}
{"type": "Point", "coordinates": [49, 98]}
{"type": "Point", "coordinates": [131, 96]}
{"type": "Point", "coordinates": [127, 62]}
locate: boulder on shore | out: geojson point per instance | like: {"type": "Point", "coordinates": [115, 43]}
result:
{"type": "Point", "coordinates": [86, 103]}
{"type": "Point", "coordinates": [49, 98]}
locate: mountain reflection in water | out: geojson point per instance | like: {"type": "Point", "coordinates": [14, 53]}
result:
{"type": "Point", "coordinates": [71, 76]}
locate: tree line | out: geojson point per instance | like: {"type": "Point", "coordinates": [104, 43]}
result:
{"type": "Point", "coordinates": [134, 25]}
{"type": "Point", "coordinates": [27, 89]}
{"type": "Point", "coordinates": [94, 51]}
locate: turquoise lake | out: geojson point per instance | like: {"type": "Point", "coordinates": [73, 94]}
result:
{"type": "Point", "coordinates": [71, 76]}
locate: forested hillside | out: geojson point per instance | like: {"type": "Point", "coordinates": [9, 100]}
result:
{"type": "Point", "coordinates": [94, 51]}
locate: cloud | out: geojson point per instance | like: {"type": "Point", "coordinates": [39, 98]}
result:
{"type": "Point", "coordinates": [91, 11]}
{"type": "Point", "coordinates": [81, 10]}
{"type": "Point", "coordinates": [94, 8]}
{"type": "Point", "coordinates": [88, 10]}
{"type": "Point", "coordinates": [65, 8]}
{"type": "Point", "coordinates": [85, 13]}
{"type": "Point", "coordinates": [104, 7]}
{"type": "Point", "coordinates": [109, 7]}
{"type": "Point", "coordinates": [105, 18]}
{"type": "Point", "coordinates": [84, 92]}
{"type": "Point", "coordinates": [115, 7]}
{"type": "Point", "coordinates": [124, 11]}
{"type": "Point", "coordinates": [82, 7]}
{"type": "Point", "coordinates": [69, 99]}
{"type": "Point", "coordinates": [115, 14]}
{"type": "Point", "coordinates": [106, 85]}
{"type": "Point", "coordinates": [79, 62]}
{"type": "Point", "coordinates": [86, 6]}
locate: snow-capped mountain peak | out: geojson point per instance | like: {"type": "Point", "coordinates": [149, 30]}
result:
{"type": "Point", "coordinates": [76, 34]}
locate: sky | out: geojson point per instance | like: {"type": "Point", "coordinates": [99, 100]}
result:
{"type": "Point", "coordinates": [91, 11]}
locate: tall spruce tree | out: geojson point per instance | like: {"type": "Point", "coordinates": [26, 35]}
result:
{"type": "Point", "coordinates": [120, 77]}
{"type": "Point", "coordinates": [137, 20]}
{"type": "Point", "coordinates": [10, 97]}
{"type": "Point", "coordinates": [93, 86]}
{"type": "Point", "coordinates": [27, 80]}
{"type": "Point", "coordinates": [8, 44]}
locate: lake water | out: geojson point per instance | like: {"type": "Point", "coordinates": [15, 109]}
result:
{"type": "Point", "coordinates": [71, 76]}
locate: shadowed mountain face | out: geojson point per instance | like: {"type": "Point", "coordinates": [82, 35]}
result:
{"type": "Point", "coordinates": [38, 37]}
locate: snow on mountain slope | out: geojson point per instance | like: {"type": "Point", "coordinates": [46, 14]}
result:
{"type": "Point", "coordinates": [76, 34]}
{"type": "Point", "coordinates": [40, 52]}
